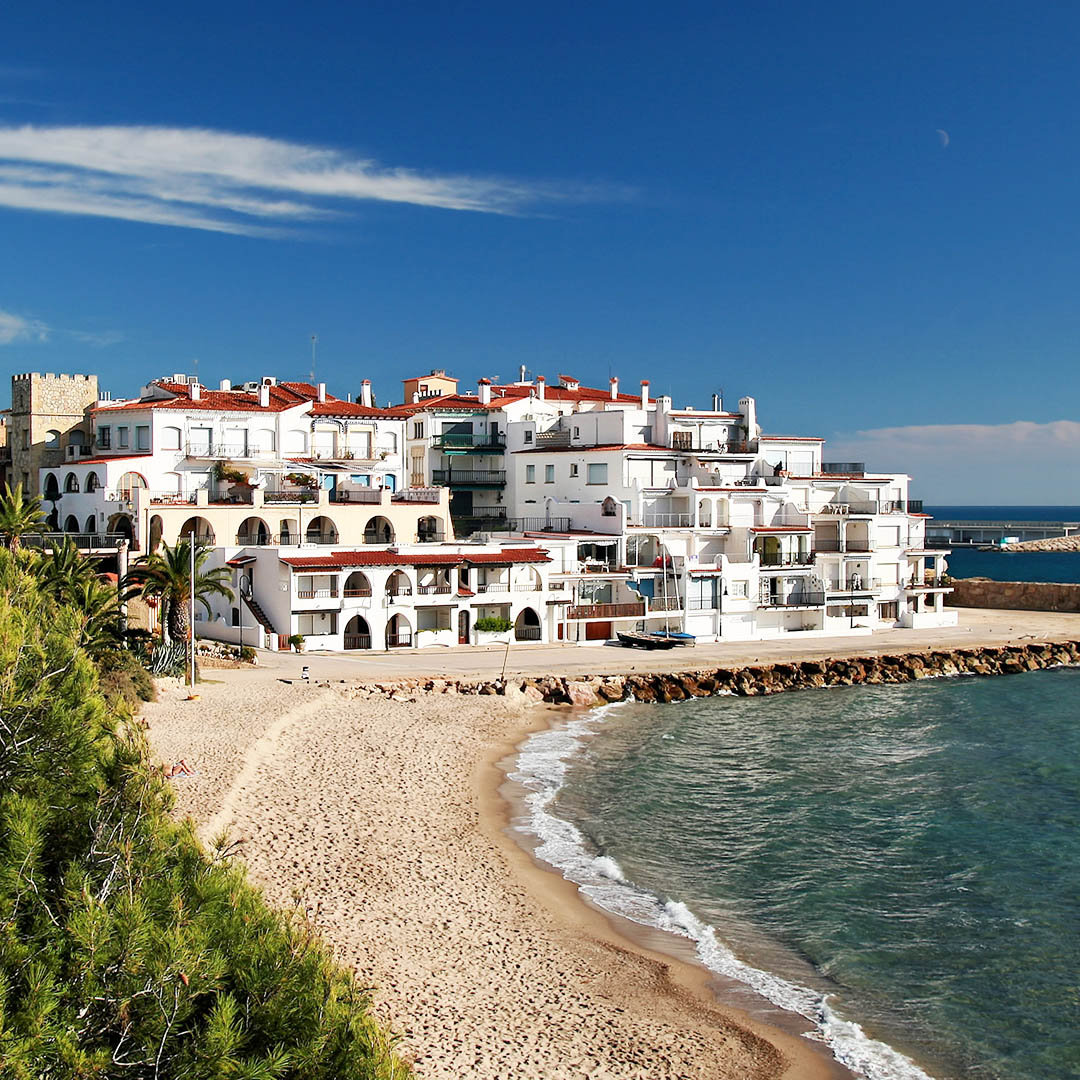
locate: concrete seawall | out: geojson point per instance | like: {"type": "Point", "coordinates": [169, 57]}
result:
{"type": "Point", "coordinates": [1013, 595]}
{"type": "Point", "coordinates": [753, 680]}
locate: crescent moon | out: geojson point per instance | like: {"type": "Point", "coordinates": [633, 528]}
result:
{"type": "Point", "coordinates": [943, 135]}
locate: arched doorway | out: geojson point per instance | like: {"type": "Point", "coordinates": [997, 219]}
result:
{"type": "Point", "coordinates": [357, 633]}
{"type": "Point", "coordinates": [321, 530]}
{"type": "Point", "coordinates": [71, 524]}
{"type": "Point", "coordinates": [527, 626]}
{"type": "Point", "coordinates": [289, 532]}
{"type": "Point", "coordinates": [71, 484]}
{"type": "Point", "coordinates": [357, 584]}
{"type": "Point", "coordinates": [91, 524]}
{"type": "Point", "coordinates": [130, 482]}
{"type": "Point", "coordinates": [398, 584]}
{"type": "Point", "coordinates": [428, 531]}
{"type": "Point", "coordinates": [52, 487]}
{"type": "Point", "coordinates": [398, 633]}
{"type": "Point", "coordinates": [378, 531]}
{"type": "Point", "coordinates": [92, 481]}
{"type": "Point", "coordinates": [157, 527]}
{"type": "Point", "coordinates": [202, 529]}
{"type": "Point", "coordinates": [463, 627]}
{"type": "Point", "coordinates": [120, 525]}
{"type": "Point", "coordinates": [253, 532]}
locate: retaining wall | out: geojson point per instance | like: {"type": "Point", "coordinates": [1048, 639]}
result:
{"type": "Point", "coordinates": [1013, 595]}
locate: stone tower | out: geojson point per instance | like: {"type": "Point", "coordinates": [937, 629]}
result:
{"type": "Point", "coordinates": [49, 413]}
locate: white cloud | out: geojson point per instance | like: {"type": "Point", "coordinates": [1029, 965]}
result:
{"type": "Point", "coordinates": [1016, 463]}
{"type": "Point", "coordinates": [224, 182]}
{"type": "Point", "coordinates": [14, 328]}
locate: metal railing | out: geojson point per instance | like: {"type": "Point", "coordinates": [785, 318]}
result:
{"type": "Point", "coordinates": [352, 593]}
{"type": "Point", "coordinates": [356, 495]}
{"type": "Point", "coordinates": [320, 538]}
{"type": "Point", "coordinates": [416, 495]}
{"type": "Point", "coordinates": [258, 540]}
{"type": "Point", "coordinates": [172, 498]}
{"type": "Point", "coordinates": [827, 544]}
{"type": "Point", "coordinates": [493, 586]}
{"type": "Point", "coordinates": [442, 589]}
{"type": "Point", "coordinates": [854, 584]}
{"type": "Point", "coordinates": [399, 590]}
{"type": "Point", "coordinates": [666, 521]}
{"type": "Point", "coordinates": [357, 641]}
{"type": "Point", "coordinates": [84, 541]}
{"type": "Point", "coordinates": [465, 477]}
{"type": "Point", "coordinates": [399, 641]}
{"type": "Point", "coordinates": [606, 611]}
{"type": "Point", "coordinates": [469, 442]}
{"type": "Point", "coordinates": [839, 509]}
{"type": "Point", "coordinates": [533, 587]}
{"type": "Point", "coordinates": [843, 467]}
{"type": "Point", "coordinates": [376, 536]}
{"type": "Point", "coordinates": [428, 537]}
{"type": "Point", "coordinates": [224, 450]}
{"type": "Point", "coordinates": [316, 594]}
{"type": "Point", "coordinates": [527, 633]}
{"type": "Point", "coordinates": [466, 524]}
{"type": "Point", "coordinates": [801, 599]}
{"type": "Point", "coordinates": [665, 603]}
{"type": "Point", "coordinates": [785, 558]}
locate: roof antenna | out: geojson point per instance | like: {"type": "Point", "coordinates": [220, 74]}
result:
{"type": "Point", "coordinates": [314, 341]}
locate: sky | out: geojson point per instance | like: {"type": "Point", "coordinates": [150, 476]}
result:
{"type": "Point", "coordinates": [863, 215]}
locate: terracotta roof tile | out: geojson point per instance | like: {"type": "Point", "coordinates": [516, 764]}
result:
{"type": "Point", "coordinates": [344, 559]}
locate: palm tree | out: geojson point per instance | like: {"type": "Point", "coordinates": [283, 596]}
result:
{"type": "Point", "coordinates": [165, 575]}
{"type": "Point", "coordinates": [64, 570]}
{"type": "Point", "coordinates": [18, 516]}
{"type": "Point", "coordinates": [102, 623]}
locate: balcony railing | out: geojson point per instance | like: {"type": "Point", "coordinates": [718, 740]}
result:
{"type": "Point", "coordinates": [399, 590]}
{"type": "Point", "coordinates": [468, 477]}
{"type": "Point", "coordinates": [258, 540]}
{"type": "Point", "coordinates": [854, 584]}
{"type": "Point", "coordinates": [850, 545]}
{"type": "Point", "coordinates": [357, 641]}
{"type": "Point", "coordinates": [651, 520]}
{"type": "Point", "coordinates": [606, 611]}
{"type": "Point", "coordinates": [416, 494]}
{"type": "Point", "coordinates": [399, 641]}
{"type": "Point", "coordinates": [352, 593]}
{"type": "Point", "coordinates": [480, 521]}
{"type": "Point", "coordinates": [665, 603]}
{"type": "Point", "coordinates": [527, 633]}
{"type": "Point", "coordinates": [450, 441]}
{"type": "Point", "coordinates": [431, 537]}
{"type": "Point", "coordinates": [316, 594]}
{"type": "Point", "coordinates": [287, 496]}
{"type": "Point", "coordinates": [854, 467]}
{"type": "Point", "coordinates": [172, 498]}
{"type": "Point", "coordinates": [82, 540]}
{"type": "Point", "coordinates": [839, 509]}
{"type": "Point", "coordinates": [356, 495]}
{"type": "Point", "coordinates": [442, 589]}
{"type": "Point", "coordinates": [800, 599]}
{"type": "Point", "coordinates": [224, 450]}
{"type": "Point", "coordinates": [493, 586]}
{"type": "Point", "coordinates": [785, 558]}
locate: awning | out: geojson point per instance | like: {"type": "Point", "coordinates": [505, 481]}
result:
{"type": "Point", "coordinates": [241, 560]}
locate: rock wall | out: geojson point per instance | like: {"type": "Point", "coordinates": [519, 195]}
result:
{"type": "Point", "coordinates": [758, 679]}
{"type": "Point", "coordinates": [1014, 595]}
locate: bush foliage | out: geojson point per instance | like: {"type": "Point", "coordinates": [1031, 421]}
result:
{"type": "Point", "coordinates": [125, 951]}
{"type": "Point", "coordinates": [494, 623]}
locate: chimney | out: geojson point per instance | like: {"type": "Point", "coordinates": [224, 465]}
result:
{"type": "Point", "coordinates": [483, 388]}
{"type": "Point", "coordinates": [716, 403]}
{"type": "Point", "coordinates": [196, 392]}
{"type": "Point", "coordinates": [541, 386]}
{"type": "Point", "coordinates": [614, 388]}
{"type": "Point", "coordinates": [264, 395]}
{"type": "Point", "coordinates": [415, 396]}
{"type": "Point", "coordinates": [365, 393]}
{"type": "Point", "coordinates": [225, 385]}
{"type": "Point", "coordinates": [644, 393]}
{"type": "Point", "coordinates": [322, 391]}
{"type": "Point", "coordinates": [521, 373]}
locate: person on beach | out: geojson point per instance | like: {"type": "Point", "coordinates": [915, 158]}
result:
{"type": "Point", "coordinates": [178, 768]}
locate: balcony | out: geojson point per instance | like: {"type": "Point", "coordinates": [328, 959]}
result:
{"type": "Point", "coordinates": [667, 521]}
{"type": "Point", "coordinates": [356, 495]}
{"type": "Point", "coordinates": [606, 611]}
{"type": "Point", "coordinates": [442, 589]}
{"type": "Point", "coordinates": [352, 594]}
{"type": "Point", "coordinates": [527, 633]}
{"type": "Point", "coordinates": [83, 541]}
{"type": "Point", "coordinates": [849, 509]}
{"type": "Point", "coordinates": [493, 586]}
{"type": "Point", "coordinates": [469, 477]}
{"type": "Point", "coordinates": [357, 641]}
{"type": "Point", "coordinates": [430, 536]}
{"type": "Point", "coordinates": [399, 590]}
{"type": "Point", "coordinates": [257, 540]}
{"type": "Point", "coordinates": [172, 498]}
{"type": "Point", "coordinates": [854, 586]}
{"type": "Point", "coordinates": [402, 640]}
{"type": "Point", "coordinates": [316, 594]}
{"type": "Point", "coordinates": [290, 497]}
{"type": "Point", "coordinates": [477, 444]}
{"type": "Point", "coordinates": [416, 494]}
{"type": "Point", "coordinates": [494, 519]}
{"type": "Point", "coordinates": [665, 603]}
{"type": "Point", "coordinates": [784, 558]}
{"type": "Point", "coordinates": [687, 444]}
{"type": "Point", "coordinates": [828, 545]}
{"type": "Point", "coordinates": [224, 451]}
{"type": "Point", "coordinates": [793, 600]}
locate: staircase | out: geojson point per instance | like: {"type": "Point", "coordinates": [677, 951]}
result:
{"type": "Point", "coordinates": [260, 615]}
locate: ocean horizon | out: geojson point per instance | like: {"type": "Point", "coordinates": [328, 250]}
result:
{"type": "Point", "coordinates": [891, 862]}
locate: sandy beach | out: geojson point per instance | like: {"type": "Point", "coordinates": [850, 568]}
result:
{"type": "Point", "coordinates": [383, 818]}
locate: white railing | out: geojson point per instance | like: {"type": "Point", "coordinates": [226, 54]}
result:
{"type": "Point", "coordinates": [667, 521]}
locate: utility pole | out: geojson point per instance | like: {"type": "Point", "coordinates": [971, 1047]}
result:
{"type": "Point", "coordinates": [191, 603]}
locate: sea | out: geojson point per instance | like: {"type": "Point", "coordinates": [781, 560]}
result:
{"type": "Point", "coordinates": [898, 864]}
{"type": "Point", "coordinates": [1062, 566]}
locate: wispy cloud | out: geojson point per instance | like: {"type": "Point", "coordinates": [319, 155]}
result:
{"type": "Point", "coordinates": [224, 182]}
{"type": "Point", "coordinates": [14, 328]}
{"type": "Point", "coordinates": [1018, 462]}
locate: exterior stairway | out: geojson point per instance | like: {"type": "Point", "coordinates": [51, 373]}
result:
{"type": "Point", "coordinates": [260, 615]}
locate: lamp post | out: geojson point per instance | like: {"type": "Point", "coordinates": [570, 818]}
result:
{"type": "Point", "coordinates": [191, 603]}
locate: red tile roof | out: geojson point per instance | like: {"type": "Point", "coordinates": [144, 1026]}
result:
{"type": "Point", "coordinates": [782, 529]}
{"type": "Point", "coordinates": [103, 460]}
{"type": "Point", "coordinates": [344, 559]}
{"type": "Point", "coordinates": [504, 395]}
{"type": "Point", "coordinates": [594, 449]}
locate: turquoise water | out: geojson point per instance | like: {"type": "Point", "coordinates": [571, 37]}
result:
{"type": "Point", "coordinates": [1063, 566]}
{"type": "Point", "coordinates": [900, 863]}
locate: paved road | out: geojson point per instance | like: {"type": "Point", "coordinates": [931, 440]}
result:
{"type": "Point", "coordinates": [977, 627]}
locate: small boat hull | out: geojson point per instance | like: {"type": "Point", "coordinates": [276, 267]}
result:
{"type": "Point", "coordinates": [644, 641]}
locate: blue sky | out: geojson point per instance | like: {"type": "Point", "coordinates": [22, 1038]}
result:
{"type": "Point", "coordinates": [865, 216]}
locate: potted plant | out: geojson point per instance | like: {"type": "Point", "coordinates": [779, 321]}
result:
{"type": "Point", "coordinates": [297, 642]}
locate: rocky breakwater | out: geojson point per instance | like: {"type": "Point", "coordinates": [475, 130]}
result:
{"type": "Point", "coordinates": [757, 679]}
{"type": "Point", "coordinates": [1051, 543]}
{"type": "Point", "coordinates": [1013, 595]}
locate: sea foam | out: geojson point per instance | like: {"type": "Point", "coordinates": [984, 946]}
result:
{"type": "Point", "coordinates": [541, 769]}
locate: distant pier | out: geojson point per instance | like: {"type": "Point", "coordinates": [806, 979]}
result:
{"type": "Point", "coordinates": [957, 534]}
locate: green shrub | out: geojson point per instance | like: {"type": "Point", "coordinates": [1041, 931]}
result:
{"type": "Point", "coordinates": [493, 623]}
{"type": "Point", "coordinates": [125, 951]}
{"type": "Point", "coordinates": [122, 672]}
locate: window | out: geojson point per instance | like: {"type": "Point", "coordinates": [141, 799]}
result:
{"type": "Point", "coordinates": [170, 438]}
{"type": "Point", "coordinates": [528, 437]}
{"type": "Point", "coordinates": [142, 437]}
{"type": "Point", "coordinates": [889, 612]}
{"type": "Point", "coordinates": [549, 474]}
{"type": "Point", "coordinates": [738, 588]}
{"type": "Point", "coordinates": [530, 474]}
{"type": "Point", "coordinates": [26, 440]}
{"type": "Point", "coordinates": [577, 433]}
{"type": "Point", "coordinates": [598, 474]}
{"type": "Point", "coordinates": [52, 440]}
{"type": "Point", "coordinates": [418, 430]}
{"type": "Point", "coordinates": [701, 593]}
{"type": "Point", "coordinates": [573, 470]}
{"type": "Point", "coordinates": [122, 437]}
